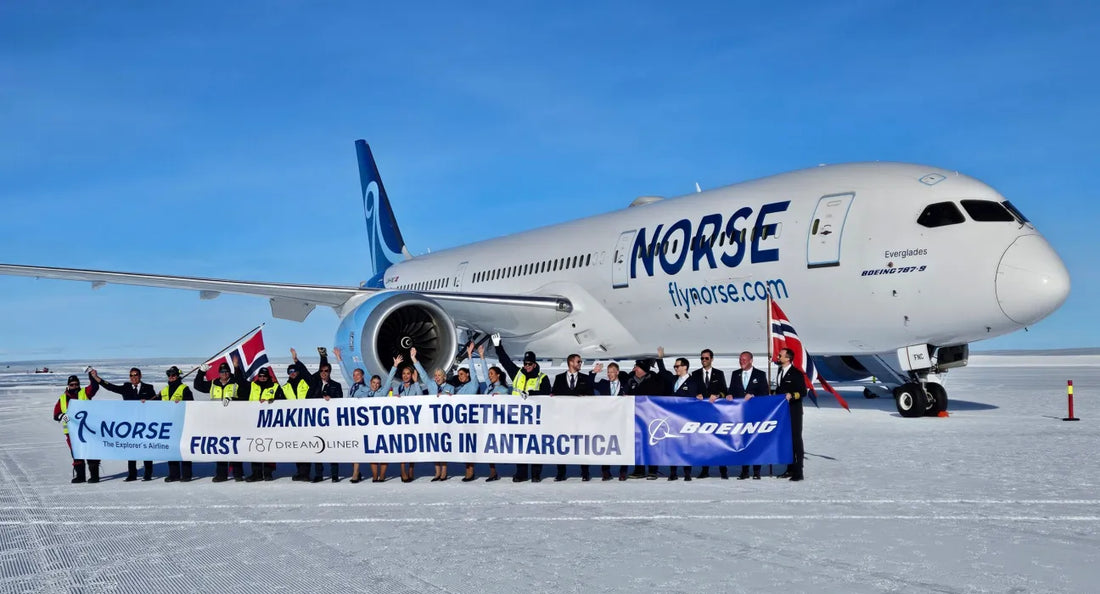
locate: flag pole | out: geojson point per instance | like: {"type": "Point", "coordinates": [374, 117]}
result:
{"type": "Point", "coordinates": [224, 349]}
{"type": "Point", "coordinates": [768, 335]}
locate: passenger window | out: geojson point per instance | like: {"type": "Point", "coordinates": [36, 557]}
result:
{"type": "Point", "coordinates": [987, 211]}
{"type": "Point", "coordinates": [940, 214]}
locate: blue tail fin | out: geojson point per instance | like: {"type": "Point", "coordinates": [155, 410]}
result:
{"type": "Point", "coordinates": [384, 240]}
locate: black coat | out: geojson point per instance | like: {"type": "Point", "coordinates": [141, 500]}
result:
{"type": "Point", "coordinates": [690, 388]}
{"type": "Point", "coordinates": [561, 385]}
{"type": "Point", "coordinates": [142, 391]}
{"type": "Point", "coordinates": [758, 384]}
{"type": "Point", "coordinates": [794, 383]}
{"type": "Point", "coordinates": [603, 387]}
{"type": "Point", "coordinates": [648, 385]}
{"type": "Point", "coordinates": [717, 385]}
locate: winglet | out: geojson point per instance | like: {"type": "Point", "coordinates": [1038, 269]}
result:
{"type": "Point", "coordinates": [384, 240]}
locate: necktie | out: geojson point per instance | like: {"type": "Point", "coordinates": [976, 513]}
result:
{"type": "Point", "coordinates": [745, 379]}
{"type": "Point", "coordinates": [679, 383]}
{"type": "Point", "coordinates": [706, 377]}
{"type": "Point", "coordinates": [615, 388]}
{"type": "Point", "coordinates": [572, 381]}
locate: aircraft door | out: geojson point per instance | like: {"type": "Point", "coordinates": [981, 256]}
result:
{"type": "Point", "coordinates": [826, 230]}
{"type": "Point", "coordinates": [620, 261]}
{"type": "Point", "coordinates": [461, 272]}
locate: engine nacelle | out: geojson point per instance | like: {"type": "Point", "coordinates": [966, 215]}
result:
{"type": "Point", "coordinates": [390, 323]}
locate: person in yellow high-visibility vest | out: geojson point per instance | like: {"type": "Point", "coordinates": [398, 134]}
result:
{"type": "Point", "coordinates": [73, 391]}
{"type": "Point", "coordinates": [297, 388]}
{"type": "Point", "coordinates": [530, 380]}
{"type": "Point", "coordinates": [262, 389]}
{"type": "Point", "coordinates": [229, 385]}
{"type": "Point", "coordinates": [176, 391]}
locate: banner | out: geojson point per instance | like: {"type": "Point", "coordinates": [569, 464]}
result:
{"type": "Point", "coordinates": [677, 431]}
{"type": "Point", "coordinates": [126, 430]}
{"type": "Point", "coordinates": [501, 429]}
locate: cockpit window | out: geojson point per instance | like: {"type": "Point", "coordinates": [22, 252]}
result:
{"type": "Point", "coordinates": [940, 214]}
{"type": "Point", "coordinates": [1016, 212]}
{"type": "Point", "coordinates": [987, 211]}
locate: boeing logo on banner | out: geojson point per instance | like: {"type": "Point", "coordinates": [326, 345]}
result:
{"type": "Point", "coordinates": [659, 430]}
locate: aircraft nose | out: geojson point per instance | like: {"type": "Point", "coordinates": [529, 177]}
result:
{"type": "Point", "coordinates": [1032, 281]}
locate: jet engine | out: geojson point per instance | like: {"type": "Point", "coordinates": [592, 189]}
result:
{"type": "Point", "coordinates": [391, 323]}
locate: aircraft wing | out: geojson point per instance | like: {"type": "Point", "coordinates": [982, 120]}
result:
{"type": "Point", "coordinates": [514, 314]}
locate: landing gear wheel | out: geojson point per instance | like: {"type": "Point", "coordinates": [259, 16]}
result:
{"type": "Point", "coordinates": [937, 396]}
{"type": "Point", "coordinates": [911, 400]}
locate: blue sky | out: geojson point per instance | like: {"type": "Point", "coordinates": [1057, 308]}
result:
{"type": "Point", "coordinates": [215, 139]}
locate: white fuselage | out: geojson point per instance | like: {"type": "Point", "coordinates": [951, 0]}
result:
{"type": "Point", "coordinates": [839, 247]}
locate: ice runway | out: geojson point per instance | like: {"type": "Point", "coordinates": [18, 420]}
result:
{"type": "Point", "coordinates": [1001, 496]}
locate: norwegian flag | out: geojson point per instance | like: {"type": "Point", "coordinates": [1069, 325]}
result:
{"type": "Point", "coordinates": [251, 351]}
{"type": "Point", "coordinates": [784, 336]}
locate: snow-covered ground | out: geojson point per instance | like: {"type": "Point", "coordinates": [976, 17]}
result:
{"type": "Point", "coordinates": [1001, 496]}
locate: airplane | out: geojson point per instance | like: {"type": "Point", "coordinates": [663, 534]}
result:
{"type": "Point", "coordinates": [889, 270]}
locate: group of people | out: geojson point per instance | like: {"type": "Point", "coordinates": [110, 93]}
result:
{"type": "Point", "coordinates": [408, 378]}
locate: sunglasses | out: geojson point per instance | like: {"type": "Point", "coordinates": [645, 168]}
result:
{"type": "Point", "coordinates": [135, 375]}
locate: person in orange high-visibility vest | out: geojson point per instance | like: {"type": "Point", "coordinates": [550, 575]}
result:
{"type": "Point", "coordinates": [73, 391]}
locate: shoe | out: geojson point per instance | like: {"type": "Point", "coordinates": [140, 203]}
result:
{"type": "Point", "coordinates": [443, 478]}
{"type": "Point", "coordinates": [171, 479]}
{"type": "Point", "coordinates": [673, 477]}
{"type": "Point", "coordinates": [519, 479]}
{"type": "Point", "coordinates": [253, 478]}
{"type": "Point", "coordinates": [651, 477]}
{"type": "Point", "coordinates": [492, 478]}
{"type": "Point", "coordinates": [622, 475]}
{"type": "Point", "coordinates": [724, 474]}
{"type": "Point", "coordinates": [185, 479]}
{"type": "Point", "coordinates": [687, 477]}
{"type": "Point", "coordinates": [335, 479]}
{"type": "Point", "coordinates": [704, 473]}
{"type": "Point", "coordinates": [299, 478]}
{"type": "Point", "coordinates": [406, 479]}
{"type": "Point", "coordinates": [147, 478]}
{"type": "Point", "coordinates": [356, 479]}
{"type": "Point", "coordinates": [559, 478]}
{"type": "Point", "coordinates": [130, 478]}
{"type": "Point", "coordinates": [238, 478]}
{"type": "Point", "coordinates": [467, 479]}
{"type": "Point", "coordinates": [269, 477]}
{"type": "Point", "coordinates": [605, 475]}
{"type": "Point", "coordinates": [756, 476]}
{"type": "Point", "coordinates": [436, 479]}
{"type": "Point", "coordinates": [744, 475]}
{"type": "Point", "coordinates": [219, 479]}
{"type": "Point", "coordinates": [317, 479]}
{"type": "Point", "coordinates": [637, 475]}
{"type": "Point", "coordinates": [797, 477]}
{"type": "Point", "coordinates": [537, 479]}
{"type": "Point", "coordinates": [785, 475]}
{"type": "Point", "coordinates": [585, 478]}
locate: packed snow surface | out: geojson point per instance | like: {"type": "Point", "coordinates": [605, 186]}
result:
{"type": "Point", "coordinates": [1001, 496]}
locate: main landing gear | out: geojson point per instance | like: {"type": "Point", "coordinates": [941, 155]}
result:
{"type": "Point", "coordinates": [920, 398]}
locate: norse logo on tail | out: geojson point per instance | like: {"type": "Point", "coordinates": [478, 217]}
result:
{"type": "Point", "coordinates": [384, 242]}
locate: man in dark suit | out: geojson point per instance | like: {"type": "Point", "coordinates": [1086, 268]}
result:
{"type": "Point", "coordinates": [746, 383]}
{"type": "Point", "coordinates": [135, 389]}
{"type": "Point", "coordinates": [572, 382]}
{"type": "Point", "coordinates": [792, 383]}
{"type": "Point", "coordinates": [681, 384]}
{"type": "Point", "coordinates": [323, 386]}
{"type": "Point", "coordinates": [712, 386]}
{"type": "Point", "coordinates": [612, 386]}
